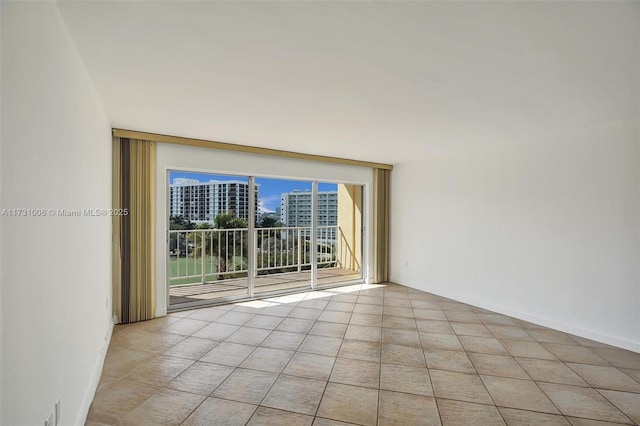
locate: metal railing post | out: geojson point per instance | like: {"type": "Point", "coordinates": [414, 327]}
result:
{"type": "Point", "coordinates": [203, 251]}
{"type": "Point", "coordinates": [299, 249]}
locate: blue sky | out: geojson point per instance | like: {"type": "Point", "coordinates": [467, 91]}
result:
{"type": "Point", "coordinates": [270, 189]}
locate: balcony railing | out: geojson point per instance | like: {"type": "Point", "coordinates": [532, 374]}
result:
{"type": "Point", "coordinates": [208, 255]}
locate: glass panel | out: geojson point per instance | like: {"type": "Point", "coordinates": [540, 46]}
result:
{"type": "Point", "coordinates": [339, 235]}
{"type": "Point", "coordinates": [282, 237]}
{"type": "Point", "coordinates": [208, 237]}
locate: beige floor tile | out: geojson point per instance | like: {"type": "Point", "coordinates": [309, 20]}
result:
{"type": "Point", "coordinates": [295, 325]}
{"type": "Point", "coordinates": [311, 366]}
{"type": "Point", "coordinates": [328, 329]}
{"type": "Point", "coordinates": [461, 316]}
{"type": "Point", "coordinates": [389, 321]}
{"type": "Point", "coordinates": [520, 417]}
{"type": "Point", "coordinates": [210, 314]}
{"type": "Point", "coordinates": [216, 331]}
{"type": "Point", "coordinates": [509, 332]}
{"type": "Point", "coordinates": [185, 326]}
{"type": "Point", "coordinates": [319, 421]}
{"type": "Point", "coordinates": [364, 332]}
{"type": "Point", "coordinates": [296, 394]}
{"type": "Point", "coordinates": [543, 370]}
{"type": "Point", "coordinates": [368, 309]}
{"type": "Point", "coordinates": [283, 340]}
{"type": "Point", "coordinates": [496, 319]}
{"type": "Point", "coordinates": [228, 354]}
{"type": "Point", "coordinates": [497, 365]}
{"type": "Point", "coordinates": [335, 316]}
{"type": "Point", "coordinates": [361, 339]}
{"type": "Point", "coordinates": [359, 349]}
{"type": "Point", "coordinates": [459, 386]}
{"type": "Point", "coordinates": [117, 400]}
{"type": "Point", "coordinates": [424, 304]}
{"type": "Point", "coordinates": [350, 404]}
{"type": "Point", "coordinates": [305, 313]}
{"type": "Point", "coordinates": [165, 407]}
{"type": "Point", "coordinates": [267, 359]}
{"type": "Point", "coordinates": [345, 298]}
{"type": "Point", "coordinates": [277, 311]}
{"type": "Point", "coordinates": [160, 370]}
{"type": "Point", "coordinates": [366, 319]}
{"type": "Point", "coordinates": [192, 348]}
{"type": "Point", "coordinates": [440, 341]}
{"type": "Point", "coordinates": [470, 329]}
{"type": "Point", "coordinates": [104, 382]}
{"type": "Point", "coordinates": [605, 377]}
{"type": "Point", "coordinates": [516, 393]}
{"type": "Point", "coordinates": [219, 411]}
{"type": "Point", "coordinates": [398, 311]}
{"type": "Point", "coordinates": [319, 304]}
{"type": "Point", "coordinates": [582, 402]}
{"type": "Point", "coordinates": [619, 357]}
{"type": "Point", "coordinates": [433, 326]}
{"type": "Point", "coordinates": [448, 360]}
{"type": "Point", "coordinates": [458, 413]}
{"type": "Point", "coordinates": [403, 378]}
{"type": "Point", "coordinates": [552, 336]}
{"type": "Point", "coordinates": [401, 337]}
{"type": "Point", "coordinates": [321, 345]}
{"type": "Point", "coordinates": [527, 349]}
{"type": "Point", "coordinates": [248, 386]}
{"type": "Point", "coordinates": [269, 416]}
{"type": "Point", "coordinates": [235, 318]}
{"type": "Point", "coordinates": [248, 336]}
{"type": "Point", "coordinates": [370, 300]}
{"type": "Point", "coordinates": [147, 341]}
{"type": "Point", "coordinates": [340, 306]}
{"type": "Point", "coordinates": [404, 355]}
{"type": "Point", "coordinates": [483, 345]}
{"type": "Point", "coordinates": [355, 372]}
{"type": "Point", "coordinates": [392, 301]}
{"type": "Point", "coordinates": [429, 314]}
{"type": "Point", "coordinates": [201, 378]}
{"type": "Point", "coordinates": [119, 364]}
{"type": "Point", "coordinates": [401, 409]}
{"type": "Point", "coordinates": [628, 403]}
{"type": "Point", "coordinates": [575, 353]}
{"type": "Point", "coordinates": [575, 421]}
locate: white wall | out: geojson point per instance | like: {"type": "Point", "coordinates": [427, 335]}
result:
{"type": "Point", "coordinates": [547, 231]}
{"type": "Point", "coordinates": [179, 157]}
{"type": "Point", "coordinates": [55, 271]}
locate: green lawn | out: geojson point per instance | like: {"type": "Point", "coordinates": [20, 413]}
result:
{"type": "Point", "coordinates": [186, 266]}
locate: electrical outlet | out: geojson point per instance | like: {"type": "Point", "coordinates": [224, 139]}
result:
{"type": "Point", "coordinates": [57, 412]}
{"type": "Point", "coordinates": [49, 420]}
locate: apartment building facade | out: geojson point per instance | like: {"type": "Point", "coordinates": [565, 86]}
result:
{"type": "Point", "coordinates": [201, 202]}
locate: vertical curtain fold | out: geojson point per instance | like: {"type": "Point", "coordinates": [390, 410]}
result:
{"type": "Point", "coordinates": [381, 201]}
{"type": "Point", "coordinates": [134, 163]}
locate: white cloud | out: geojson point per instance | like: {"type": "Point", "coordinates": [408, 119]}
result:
{"type": "Point", "coordinates": [270, 199]}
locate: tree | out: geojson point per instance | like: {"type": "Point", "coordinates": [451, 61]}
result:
{"type": "Point", "coordinates": [225, 244]}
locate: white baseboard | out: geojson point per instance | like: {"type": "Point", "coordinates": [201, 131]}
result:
{"type": "Point", "coordinates": [95, 379]}
{"type": "Point", "coordinates": [545, 322]}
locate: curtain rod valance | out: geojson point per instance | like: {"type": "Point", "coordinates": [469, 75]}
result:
{"type": "Point", "coordinates": [244, 148]}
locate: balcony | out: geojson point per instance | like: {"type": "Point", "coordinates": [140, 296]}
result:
{"type": "Point", "coordinates": [208, 264]}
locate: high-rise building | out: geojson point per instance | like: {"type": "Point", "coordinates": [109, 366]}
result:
{"type": "Point", "coordinates": [295, 209]}
{"type": "Point", "coordinates": [202, 201]}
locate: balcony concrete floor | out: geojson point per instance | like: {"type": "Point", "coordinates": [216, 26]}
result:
{"type": "Point", "coordinates": [188, 293]}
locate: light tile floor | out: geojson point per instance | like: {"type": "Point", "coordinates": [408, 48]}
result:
{"type": "Point", "coordinates": [367, 355]}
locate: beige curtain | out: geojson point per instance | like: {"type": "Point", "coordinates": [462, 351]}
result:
{"type": "Point", "coordinates": [381, 188]}
{"type": "Point", "coordinates": [134, 163]}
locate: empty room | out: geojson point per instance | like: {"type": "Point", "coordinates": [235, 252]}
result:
{"type": "Point", "coordinates": [319, 213]}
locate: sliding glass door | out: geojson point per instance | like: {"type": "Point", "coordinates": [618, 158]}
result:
{"type": "Point", "coordinates": [239, 237]}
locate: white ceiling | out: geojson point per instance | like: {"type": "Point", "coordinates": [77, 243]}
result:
{"type": "Point", "coordinates": [373, 81]}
